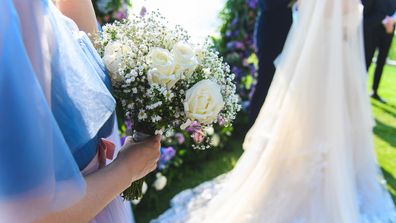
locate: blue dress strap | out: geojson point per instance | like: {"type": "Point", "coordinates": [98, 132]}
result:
{"type": "Point", "coordinates": [81, 99]}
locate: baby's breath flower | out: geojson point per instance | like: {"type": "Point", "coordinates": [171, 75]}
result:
{"type": "Point", "coordinates": [142, 115]}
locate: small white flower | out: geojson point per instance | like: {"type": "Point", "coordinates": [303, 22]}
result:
{"type": "Point", "coordinates": [160, 182]}
{"type": "Point", "coordinates": [142, 115]}
{"type": "Point", "coordinates": [168, 95]}
{"type": "Point", "coordinates": [143, 48]}
{"type": "Point", "coordinates": [200, 53]}
{"type": "Point", "coordinates": [215, 141]}
{"type": "Point", "coordinates": [209, 130]}
{"type": "Point", "coordinates": [159, 132]}
{"type": "Point", "coordinates": [186, 124]}
{"type": "Point", "coordinates": [136, 202]}
{"type": "Point", "coordinates": [154, 106]}
{"type": "Point", "coordinates": [130, 106]}
{"type": "Point", "coordinates": [169, 133]}
{"type": "Point", "coordinates": [156, 118]}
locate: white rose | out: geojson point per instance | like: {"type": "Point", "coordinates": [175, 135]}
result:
{"type": "Point", "coordinates": [112, 59]}
{"type": "Point", "coordinates": [160, 182]}
{"type": "Point", "coordinates": [168, 80]}
{"type": "Point", "coordinates": [185, 59]}
{"type": "Point", "coordinates": [203, 102]}
{"type": "Point", "coordinates": [162, 70]}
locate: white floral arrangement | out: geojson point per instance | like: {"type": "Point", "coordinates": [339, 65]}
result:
{"type": "Point", "coordinates": [163, 82]}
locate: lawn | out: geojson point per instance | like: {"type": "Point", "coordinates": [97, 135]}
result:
{"type": "Point", "coordinates": [392, 52]}
{"type": "Point", "coordinates": [385, 145]}
{"type": "Point", "coordinates": [385, 130]}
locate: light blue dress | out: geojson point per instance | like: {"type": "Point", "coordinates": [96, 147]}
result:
{"type": "Point", "coordinates": [55, 105]}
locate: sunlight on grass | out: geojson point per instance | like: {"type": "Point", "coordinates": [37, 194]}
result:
{"type": "Point", "coordinates": [385, 129]}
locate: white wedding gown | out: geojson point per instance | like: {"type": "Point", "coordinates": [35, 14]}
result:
{"type": "Point", "coordinates": [309, 157]}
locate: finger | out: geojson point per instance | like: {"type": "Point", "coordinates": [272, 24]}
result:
{"type": "Point", "coordinates": [156, 138]}
{"type": "Point", "coordinates": [155, 141]}
{"type": "Point", "coordinates": [154, 167]}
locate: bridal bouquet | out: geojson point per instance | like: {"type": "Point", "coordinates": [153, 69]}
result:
{"type": "Point", "coordinates": [163, 82]}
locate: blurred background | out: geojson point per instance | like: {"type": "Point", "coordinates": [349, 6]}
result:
{"type": "Point", "coordinates": [230, 25]}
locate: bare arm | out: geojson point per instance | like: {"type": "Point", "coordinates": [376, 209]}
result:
{"type": "Point", "coordinates": [134, 162]}
{"type": "Point", "coordinates": [81, 12]}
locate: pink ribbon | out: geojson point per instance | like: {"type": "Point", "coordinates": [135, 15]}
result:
{"type": "Point", "coordinates": [106, 151]}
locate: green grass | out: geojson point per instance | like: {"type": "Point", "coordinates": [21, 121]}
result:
{"type": "Point", "coordinates": [392, 52]}
{"type": "Point", "coordinates": [385, 145]}
{"type": "Point", "coordinates": [385, 130]}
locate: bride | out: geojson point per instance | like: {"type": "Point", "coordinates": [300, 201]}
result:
{"type": "Point", "coordinates": [309, 157]}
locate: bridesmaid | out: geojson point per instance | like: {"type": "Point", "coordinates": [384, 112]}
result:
{"type": "Point", "coordinates": [55, 111]}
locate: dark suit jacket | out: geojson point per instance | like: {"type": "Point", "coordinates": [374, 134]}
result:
{"type": "Point", "coordinates": [376, 10]}
{"type": "Point", "coordinates": [266, 5]}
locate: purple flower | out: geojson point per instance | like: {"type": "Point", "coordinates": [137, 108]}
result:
{"type": "Point", "coordinates": [252, 3]}
{"type": "Point", "coordinates": [237, 71]}
{"type": "Point", "coordinates": [239, 45]}
{"type": "Point", "coordinates": [235, 45]}
{"type": "Point", "coordinates": [194, 127]}
{"type": "Point", "coordinates": [179, 138]}
{"type": "Point", "coordinates": [253, 70]}
{"type": "Point", "coordinates": [228, 34]}
{"type": "Point", "coordinates": [252, 90]}
{"type": "Point", "coordinates": [120, 15]}
{"type": "Point", "coordinates": [167, 154]}
{"type": "Point", "coordinates": [220, 120]}
{"type": "Point", "coordinates": [143, 11]}
{"type": "Point", "coordinates": [234, 21]}
{"type": "Point", "coordinates": [128, 125]}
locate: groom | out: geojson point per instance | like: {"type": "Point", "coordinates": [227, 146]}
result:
{"type": "Point", "coordinates": [272, 28]}
{"type": "Point", "coordinates": [379, 26]}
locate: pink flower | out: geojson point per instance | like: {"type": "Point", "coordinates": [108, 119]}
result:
{"type": "Point", "coordinates": [198, 137]}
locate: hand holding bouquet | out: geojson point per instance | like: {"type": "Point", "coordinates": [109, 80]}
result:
{"type": "Point", "coordinates": [163, 82]}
